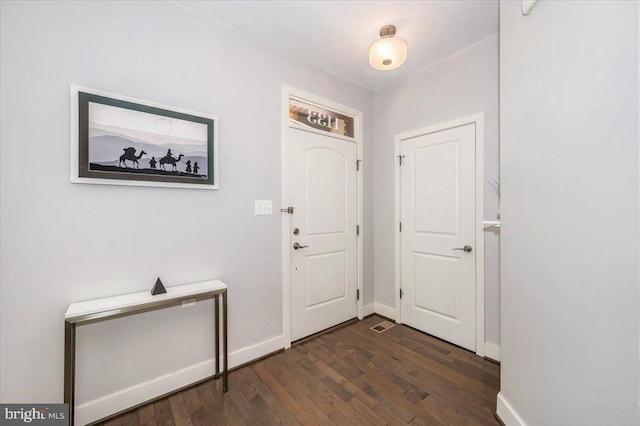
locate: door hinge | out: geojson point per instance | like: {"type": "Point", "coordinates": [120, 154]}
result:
{"type": "Point", "coordinates": [288, 210]}
{"type": "Point", "coordinates": [400, 226]}
{"type": "Point", "coordinates": [358, 165]}
{"type": "Point", "coordinates": [357, 229]}
{"type": "Point", "coordinates": [401, 293]}
{"type": "Point", "coordinates": [401, 159]}
{"type": "Point", "coordinates": [358, 294]}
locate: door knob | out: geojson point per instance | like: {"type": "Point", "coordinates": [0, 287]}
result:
{"type": "Point", "coordinates": [297, 246]}
{"type": "Point", "coordinates": [466, 248]}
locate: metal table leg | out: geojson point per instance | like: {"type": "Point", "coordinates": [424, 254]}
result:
{"type": "Point", "coordinates": [216, 313]}
{"type": "Point", "coordinates": [224, 342]}
{"type": "Point", "coordinates": [70, 367]}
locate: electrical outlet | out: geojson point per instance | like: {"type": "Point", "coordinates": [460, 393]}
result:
{"type": "Point", "coordinates": [263, 207]}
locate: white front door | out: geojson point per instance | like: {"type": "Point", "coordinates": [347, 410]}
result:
{"type": "Point", "coordinates": [323, 195]}
{"type": "Point", "coordinates": [437, 211]}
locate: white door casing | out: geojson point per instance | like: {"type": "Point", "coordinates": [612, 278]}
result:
{"type": "Point", "coordinates": [324, 270]}
{"type": "Point", "coordinates": [289, 256]}
{"type": "Point", "coordinates": [439, 203]}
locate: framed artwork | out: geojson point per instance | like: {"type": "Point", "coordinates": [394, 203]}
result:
{"type": "Point", "coordinates": [116, 140]}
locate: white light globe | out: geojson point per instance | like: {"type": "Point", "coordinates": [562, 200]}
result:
{"type": "Point", "coordinates": [388, 53]}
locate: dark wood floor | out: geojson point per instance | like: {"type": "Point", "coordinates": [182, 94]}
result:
{"type": "Point", "coordinates": [350, 376]}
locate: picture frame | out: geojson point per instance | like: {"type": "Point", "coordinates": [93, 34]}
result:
{"type": "Point", "coordinates": [119, 140]}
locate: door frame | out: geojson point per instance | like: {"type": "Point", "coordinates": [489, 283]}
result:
{"type": "Point", "coordinates": [478, 120]}
{"type": "Point", "coordinates": [288, 92]}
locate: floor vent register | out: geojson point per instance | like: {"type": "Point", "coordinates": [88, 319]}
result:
{"type": "Point", "coordinates": [382, 327]}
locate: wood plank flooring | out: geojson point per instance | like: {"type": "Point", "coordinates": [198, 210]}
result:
{"type": "Point", "coordinates": [350, 376]}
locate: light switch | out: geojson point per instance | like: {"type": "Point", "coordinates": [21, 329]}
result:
{"type": "Point", "coordinates": [263, 207]}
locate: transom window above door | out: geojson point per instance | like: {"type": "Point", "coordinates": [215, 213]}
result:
{"type": "Point", "coordinates": [319, 118]}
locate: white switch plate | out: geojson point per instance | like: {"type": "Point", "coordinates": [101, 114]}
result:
{"type": "Point", "coordinates": [264, 207]}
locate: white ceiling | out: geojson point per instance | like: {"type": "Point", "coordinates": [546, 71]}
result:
{"type": "Point", "coordinates": [335, 35]}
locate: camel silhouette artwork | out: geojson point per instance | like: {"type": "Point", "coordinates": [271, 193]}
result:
{"type": "Point", "coordinates": [169, 159]}
{"type": "Point", "coordinates": [130, 154]}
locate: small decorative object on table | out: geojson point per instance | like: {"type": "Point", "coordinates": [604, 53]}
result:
{"type": "Point", "coordinates": [158, 288]}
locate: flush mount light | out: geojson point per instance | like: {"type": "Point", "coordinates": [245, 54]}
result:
{"type": "Point", "coordinates": [389, 52]}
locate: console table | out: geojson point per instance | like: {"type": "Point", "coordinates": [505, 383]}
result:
{"type": "Point", "coordinates": [129, 304]}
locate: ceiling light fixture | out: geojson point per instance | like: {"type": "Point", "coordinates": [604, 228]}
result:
{"type": "Point", "coordinates": [388, 52]}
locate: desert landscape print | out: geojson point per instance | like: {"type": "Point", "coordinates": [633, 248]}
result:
{"type": "Point", "coordinates": [127, 141]}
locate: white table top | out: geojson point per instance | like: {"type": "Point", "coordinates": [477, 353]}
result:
{"type": "Point", "coordinates": [96, 306]}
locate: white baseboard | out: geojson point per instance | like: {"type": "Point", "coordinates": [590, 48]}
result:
{"type": "Point", "coordinates": [125, 398]}
{"type": "Point", "coordinates": [384, 310]}
{"type": "Point", "coordinates": [368, 309]}
{"type": "Point", "coordinates": [121, 400]}
{"type": "Point", "coordinates": [491, 350]}
{"type": "Point", "coordinates": [507, 414]}
{"type": "Point", "coordinates": [249, 353]}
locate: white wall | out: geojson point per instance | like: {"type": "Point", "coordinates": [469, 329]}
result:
{"type": "Point", "coordinates": [64, 242]}
{"type": "Point", "coordinates": [463, 84]}
{"type": "Point", "coordinates": [569, 147]}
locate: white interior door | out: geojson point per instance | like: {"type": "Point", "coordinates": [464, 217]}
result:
{"type": "Point", "coordinates": [437, 210]}
{"type": "Point", "coordinates": [324, 270]}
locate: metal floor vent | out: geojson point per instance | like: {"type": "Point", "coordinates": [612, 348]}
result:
{"type": "Point", "coordinates": [382, 327]}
